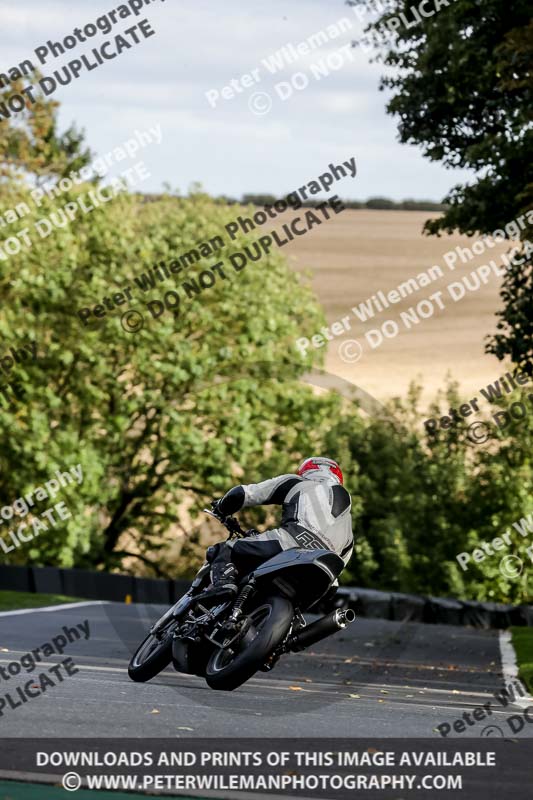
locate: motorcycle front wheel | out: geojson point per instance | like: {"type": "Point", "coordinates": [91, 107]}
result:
{"type": "Point", "coordinates": [270, 622]}
{"type": "Point", "coordinates": [152, 655]}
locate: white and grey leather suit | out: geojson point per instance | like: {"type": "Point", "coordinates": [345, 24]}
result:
{"type": "Point", "coordinates": [315, 514]}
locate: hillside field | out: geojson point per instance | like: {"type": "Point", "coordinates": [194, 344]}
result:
{"type": "Point", "coordinates": [358, 253]}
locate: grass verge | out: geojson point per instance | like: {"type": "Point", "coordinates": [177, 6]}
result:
{"type": "Point", "coordinates": [12, 601]}
{"type": "Point", "coordinates": [522, 639]}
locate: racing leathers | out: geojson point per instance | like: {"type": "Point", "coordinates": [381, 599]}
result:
{"type": "Point", "coordinates": [315, 515]}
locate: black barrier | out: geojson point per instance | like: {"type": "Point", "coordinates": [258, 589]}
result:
{"type": "Point", "coordinates": [151, 590]}
{"type": "Point", "coordinates": [79, 583]}
{"type": "Point", "coordinates": [115, 587]}
{"type": "Point", "coordinates": [48, 580]}
{"type": "Point", "coordinates": [490, 615]}
{"type": "Point", "coordinates": [92, 585]}
{"type": "Point", "coordinates": [444, 611]}
{"type": "Point", "coordinates": [526, 615]}
{"type": "Point", "coordinates": [365, 602]}
{"type": "Point", "coordinates": [368, 602]}
{"type": "Point", "coordinates": [179, 587]}
{"type": "Point", "coordinates": [17, 578]}
{"type": "Point", "coordinates": [407, 607]}
{"type": "Point", "coordinates": [431, 610]}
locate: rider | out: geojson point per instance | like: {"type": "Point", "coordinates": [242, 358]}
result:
{"type": "Point", "coordinates": [315, 514]}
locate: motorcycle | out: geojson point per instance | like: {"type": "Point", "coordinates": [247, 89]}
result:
{"type": "Point", "coordinates": [227, 640]}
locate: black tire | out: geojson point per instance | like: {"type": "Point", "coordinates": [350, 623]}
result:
{"type": "Point", "coordinates": [221, 673]}
{"type": "Point", "coordinates": [151, 657]}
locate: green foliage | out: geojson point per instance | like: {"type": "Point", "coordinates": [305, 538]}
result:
{"type": "Point", "coordinates": [163, 420]}
{"type": "Point", "coordinates": [515, 326]}
{"type": "Point", "coordinates": [374, 203]}
{"type": "Point", "coordinates": [420, 500]}
{"type": "Point", "coordinates": [158, 420]}
{"type": "Point", "coordinates": [380, 202]}
{"type": "Point", "coordinates": [30, 142]}
{"type": "Point", "coordinates": [258, 199]}
{"type": "Point", "coordinates": [523, 645]}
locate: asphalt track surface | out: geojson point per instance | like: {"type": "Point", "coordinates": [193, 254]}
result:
{"type": "Point", "coordinates": [377, 678]}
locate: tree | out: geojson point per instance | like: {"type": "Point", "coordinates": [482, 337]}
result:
{"type": "Point", "coordinates": [163, 419]}
{"type": "Point", "coordinates": [419, 500]}
{"type": "Point", "coordinates": [30, 142]}
{"type": "Point", "coordinates": [463, 90]}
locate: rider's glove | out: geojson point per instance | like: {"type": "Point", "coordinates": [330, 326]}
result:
{"type": "Point", "coordinates": [216, 510]}
{"type": "Point", "coordinates": [252, 532]}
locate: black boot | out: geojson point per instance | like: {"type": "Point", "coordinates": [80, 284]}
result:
{"type": "Point", "coordinates": [224, 574]}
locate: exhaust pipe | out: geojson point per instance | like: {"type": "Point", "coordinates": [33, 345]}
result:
{"type": "Point", "coordinates": [323, 627]}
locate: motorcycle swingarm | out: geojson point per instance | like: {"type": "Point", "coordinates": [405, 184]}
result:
{"type": "Point", "coordinates": [184, 604]}
{"type": "Point", "coordinates": [195, 629]}
{"type": "Point", "coordinates": [172, 613]}
{"type": "Point", "coordinates": [224, 642]}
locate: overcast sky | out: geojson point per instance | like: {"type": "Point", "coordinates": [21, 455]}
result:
{"type": "Point", "coordinates": [200, 45]}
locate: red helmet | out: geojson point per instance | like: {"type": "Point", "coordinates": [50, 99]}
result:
{"type": "Point", "coordinates": [326, 468]}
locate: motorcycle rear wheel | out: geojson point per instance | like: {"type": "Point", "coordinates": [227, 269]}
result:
{"type": "Point", "coordinates": [228, 669]}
